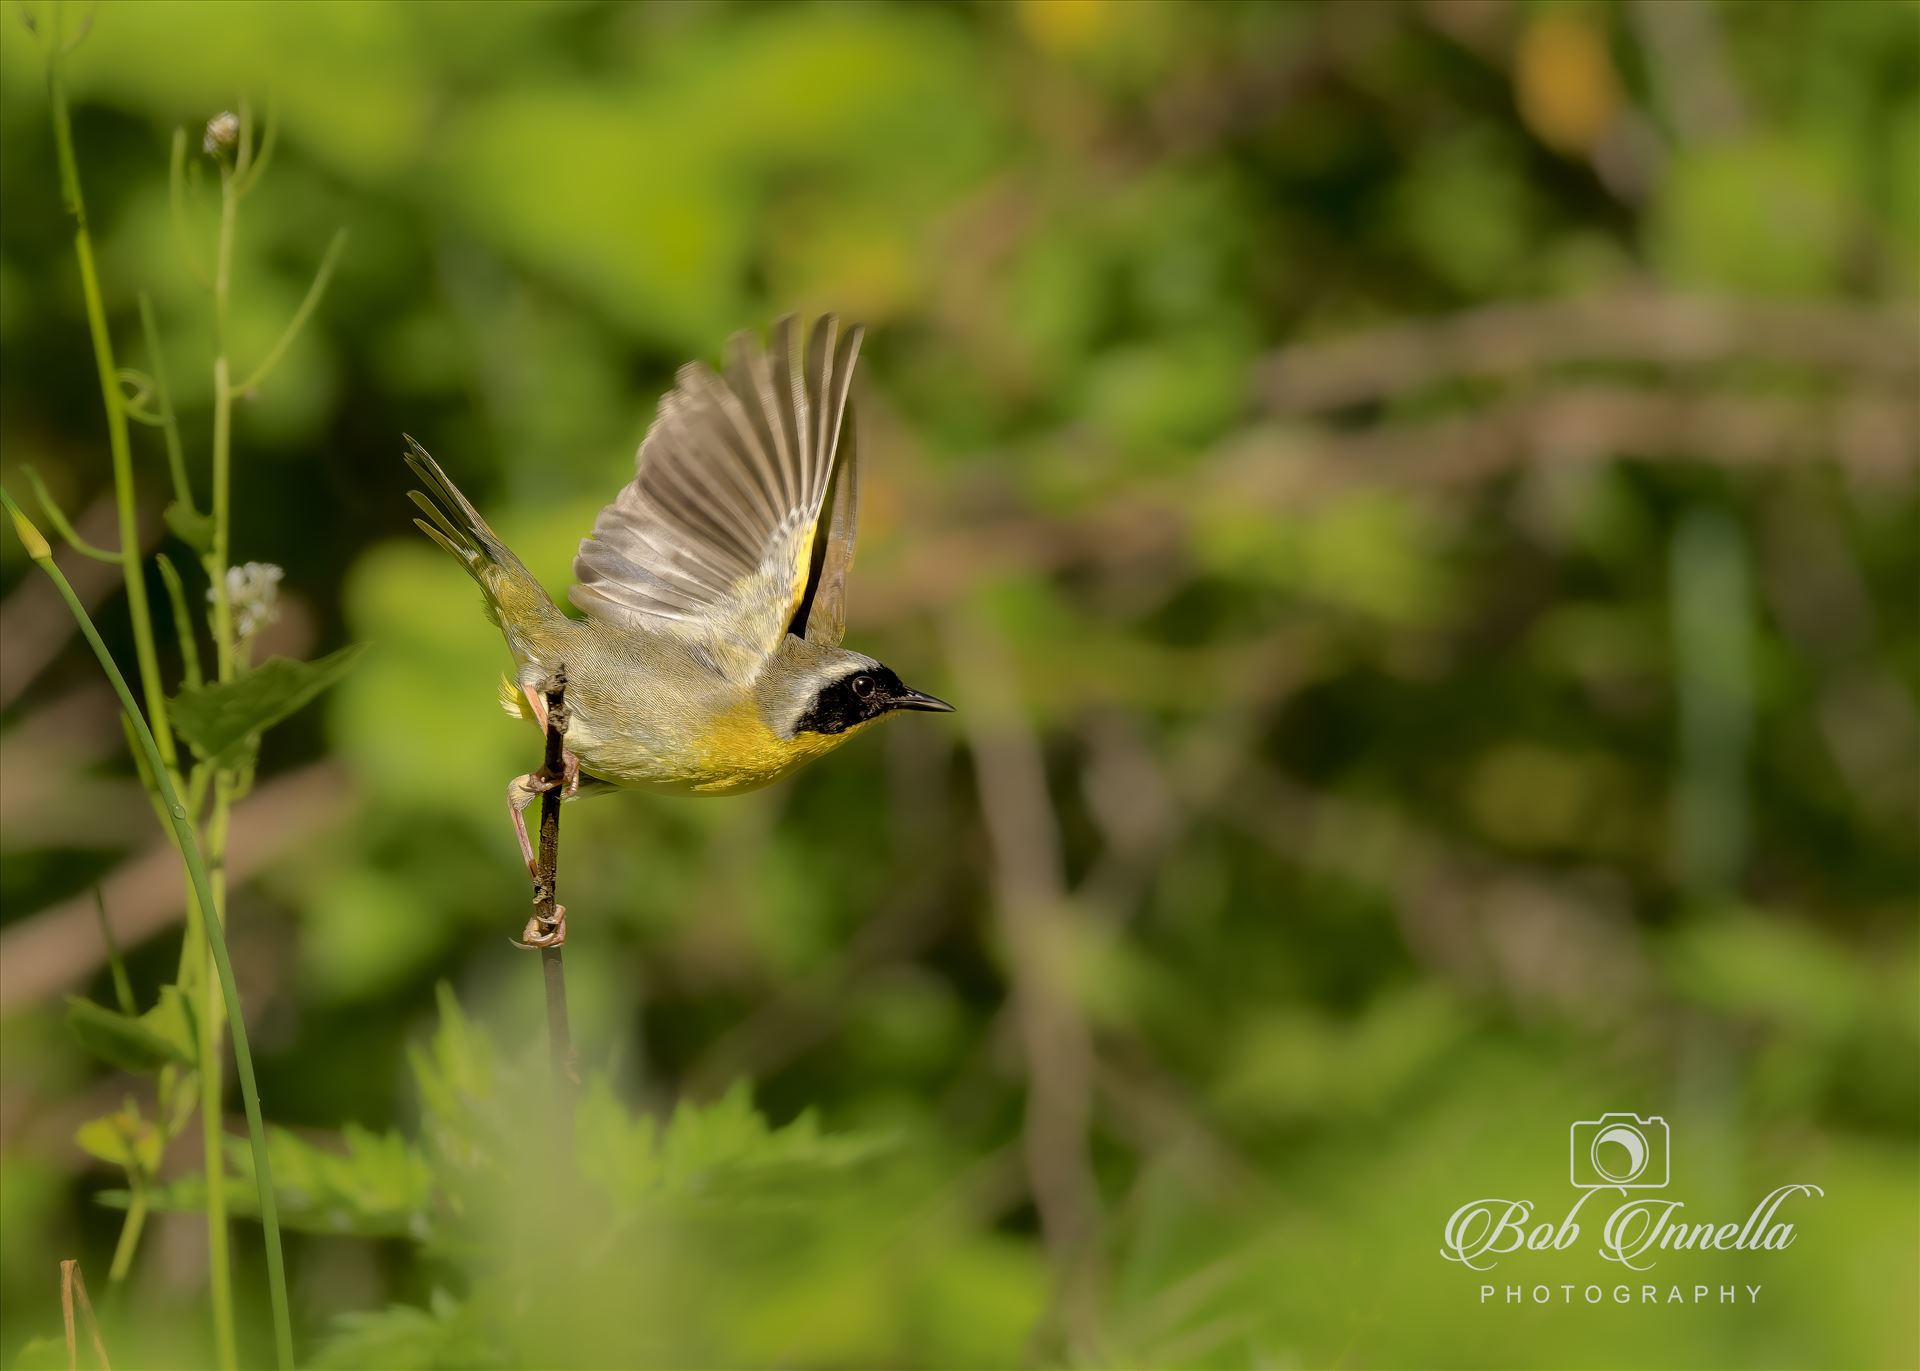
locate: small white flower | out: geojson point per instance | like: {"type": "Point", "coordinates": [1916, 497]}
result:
{"type": "Point", "coordinates": [253, 592]}
{"type": "Point", "coordinates": [223, 131]}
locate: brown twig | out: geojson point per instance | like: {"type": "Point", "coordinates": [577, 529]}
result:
{"type": "Point", "coordinates": [35, 625]}
{"type": "Point", "coordinates": [1512, 338]}
{"type": "Point", "coordinates": [547, 928]}
{"type": "Point", "coordinates": [1868, 432]}
{"type": "Point", "coordinates": [60, 946]}
{"type": "Point", "coordinates": [73, 1292]}
{"type": "Point", "coordinates": [1031, 903]}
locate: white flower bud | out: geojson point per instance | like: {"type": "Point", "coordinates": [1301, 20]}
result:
{"type": "Point", "coordinates": [253, 593]}
{"type": "Point", "coordinates": [223, 131]}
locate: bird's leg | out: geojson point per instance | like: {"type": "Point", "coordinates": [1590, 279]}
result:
{"type": "Point", "coordinates": [521, 792]}
{"type": "Point", "coordinates": [550, 931]}
{"type": "Point", "coordinates": [524, 790]}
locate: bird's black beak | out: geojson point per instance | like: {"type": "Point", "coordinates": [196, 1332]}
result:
{"type": "Point", "coordinates": [915, 699]}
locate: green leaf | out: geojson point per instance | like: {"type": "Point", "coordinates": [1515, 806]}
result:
{"type": "Point", "coordinates": [122, 1138]}
{"type": "Point", "coordinates": [722, 1150]}
{"type": "Point", "coordinates": [104, 1139]}
{"type": "Point", "coordinates": [173, 1019]}
{"type": "Point", "coordinates": [456, 1073]}
{"type": "Point", "coordinates": [224, 720]}
{"type": "Point", "coordinates": [41, 1354]}
{"type": "Point", "coordinates": [189, 526]}
{"type": "Point", "coordinates": [143, 1044]}
{"type": "Point", "coordinates": [375, 1185]}
{"type": "Point", "coordinates": [405, 1338]}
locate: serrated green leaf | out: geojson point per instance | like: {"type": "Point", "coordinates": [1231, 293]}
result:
{"type": "Point", "coordinates": [189, 526]}
{"type": "Point", "coordinates": [223, 720]}
{"type": "Point", "coordinates": [128, 1043]}
{"type": "Point", "coordinates": [405, 1338]}
{"type": "Point", "coordinates": [725, 1150]}
{"type": "Point", "coordinates": [456, 1073]}
{"type": "Point", "coordinates": [377, 1186]}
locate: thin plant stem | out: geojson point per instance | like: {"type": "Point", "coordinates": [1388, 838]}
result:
{"type": "Point", "coordinates": [213, 1087]}
{"type": "Point", "coordinates": [255, 162]}
{"type": "Point", "coordinates": [213, 908]}
{"type": "Point", "coordinates": [300, 315]}
{"type": "Point", "coordinates": [222, 435]}
{"type": "Point", "coordinates": [177, 201]}
{"type": "Point", "coordinates": [132, 573]}
{"type": "Point", "coordinates": [189, 844]}
{"type": "Point", "coordinates": [61, 525]}
{"type": "Point", "coordinates": [163, 393]}
{"type": "Point", "coordinates": [213, 1145]}
{"type": "Point", "coordinates": [130, 1230]}
{"type": "Point", "coordinates": [182, 622]}
{"type": "Point", "coordinates": [122, 987]}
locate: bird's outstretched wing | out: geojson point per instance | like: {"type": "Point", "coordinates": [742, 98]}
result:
{"type": "Point", "coordinates": [719, 538]}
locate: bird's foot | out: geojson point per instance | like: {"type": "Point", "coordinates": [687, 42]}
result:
{"type": "Point", "coordinates": [542, 781]}
{"type": "Point", "coordinates": [544, 932]}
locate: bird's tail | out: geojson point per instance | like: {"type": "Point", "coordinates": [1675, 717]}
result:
{"type": "Point", "coordinates": [513, 596]}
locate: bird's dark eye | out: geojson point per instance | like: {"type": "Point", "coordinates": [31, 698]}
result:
{"type": "Point", "coordinates": [861, 685]}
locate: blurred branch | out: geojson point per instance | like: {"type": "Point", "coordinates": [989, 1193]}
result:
{"type": "Point", "coordinates": [1644, 327]}
{"type": "Point", "coordinates": [1824, 605]}
{"type": "Point", "coordinates": [60, 947]}
{"type": "Point", "coordinates": [1714, 650]}
{"type": "Point", "coordinates": [1689, 69]}
{"type": "Point", "coordinates": [51, 791]}
{"type": "Point", "coordinates": [1034, 918]}
{"type": "Point", "coordinates": [33, 623]}
{"type": "Point", "coordinates": [800, 1014]}
{"type": "Point", "coordinates": [1867, 430]}
{"type": "Point", "coordinates": [1545, 940]}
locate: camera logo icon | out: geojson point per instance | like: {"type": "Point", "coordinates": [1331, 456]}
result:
{"type": "Point", "coordinates": [1619, 1151]}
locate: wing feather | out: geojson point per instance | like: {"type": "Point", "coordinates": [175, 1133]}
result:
{"type": "Point", "coordinates": [822, 617]}
{"type": "Point", "coordinates": [719, 535]}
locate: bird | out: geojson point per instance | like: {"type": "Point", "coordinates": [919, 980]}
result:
{"type": "Point", "coordinates": [713, 586]}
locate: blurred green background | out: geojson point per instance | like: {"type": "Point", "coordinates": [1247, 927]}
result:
{"type": "Point", "coordinates": [1415, 504]}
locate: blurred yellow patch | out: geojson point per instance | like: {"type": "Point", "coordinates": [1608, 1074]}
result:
{"type": "Point", "coordinates": [1535, 798]}
{"type": "Point", "coordinates": [1064, 25]}
{"type": "Point", "coordinates": [1564, 81]}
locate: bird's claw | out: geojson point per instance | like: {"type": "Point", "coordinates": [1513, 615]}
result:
{"type": "Point", "coordinates": [544, 932]}
{"type": "Point", "coordinates": [543, 781]}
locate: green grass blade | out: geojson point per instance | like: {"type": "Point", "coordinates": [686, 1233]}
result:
{"type": "Point", "coordinates": [189, 845]}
